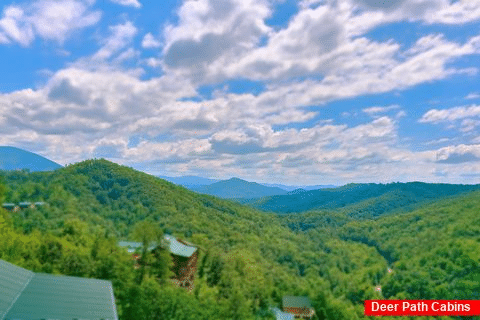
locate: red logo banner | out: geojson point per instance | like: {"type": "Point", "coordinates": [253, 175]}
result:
{"type": "Point", "coordinates": [422, 307]}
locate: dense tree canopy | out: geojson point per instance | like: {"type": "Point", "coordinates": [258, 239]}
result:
{"type": "Point", "coordinates": [248, 259]}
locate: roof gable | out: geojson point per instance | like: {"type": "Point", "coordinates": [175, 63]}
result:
{"type": "Point", "coordinates": [44, 296]}
{"type": "Point", "coordinates": [178, 248]}
{"type": "Point", "coordinates": [174, 246]}
{"type": "Point", "coordinates": [13, 281]}
{"type": "Point", "coordinates": [296, 302]}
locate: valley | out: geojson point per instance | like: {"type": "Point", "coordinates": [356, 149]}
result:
{"type": "Point", "coordinates": [357, 242]}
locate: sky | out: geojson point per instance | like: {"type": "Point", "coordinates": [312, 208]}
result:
{"type": "Point", "coordinates": [279, 91]}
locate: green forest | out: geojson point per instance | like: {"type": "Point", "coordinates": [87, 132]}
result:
{"type": "Point", "coordinates": [249, 259]}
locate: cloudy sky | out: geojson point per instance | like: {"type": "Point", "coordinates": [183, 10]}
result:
{"type": "Point", "coordinates": [295, 92]}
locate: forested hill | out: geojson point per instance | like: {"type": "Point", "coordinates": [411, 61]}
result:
{"type": "Point", "coordinates": [123, 196]}
{"type": "Point", "coordinates": [432, 252]}
{"type": "Point", "coordinates": [362, 200]}
{"type": "Point", "coordinates": [248, 259]}
{"type": "Point", "coordinates": [235, 188]}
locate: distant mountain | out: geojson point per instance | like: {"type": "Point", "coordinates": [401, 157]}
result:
{"type": "Point", "coordinates": [236, 188]}
{"type": "Point", "coordinates": [292, 188]}
{"type": "Point", "coordinates": [189, 181]}
{"type": "Point", "coordinates": [361, 200]}
{"type": "Point", "coordinates": [12, 158]}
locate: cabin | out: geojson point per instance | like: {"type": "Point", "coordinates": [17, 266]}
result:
{"type": "Point", "coordinates": [26, 205]}
{"type": "Point", "coordinates": [31, 296]}
{"type": "Point", "coordinates": [10, 207]}
{"type": "Point", "coordinates": [39, 204]}
{"type": "Point", "coordinates": [184, 257]}
{"type": "Point", "coordinates": [299, 306]}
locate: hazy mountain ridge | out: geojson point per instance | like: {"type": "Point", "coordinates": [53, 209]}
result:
{"type": "Point", "coordinates": [194, 182]}
{"type": "Point", "coordinates": [189, 181]}
{"type": "Point", "coordinates": [236, 188]}
{"type": "Point", "coordinates": [12, 158]}
{"type": "Point", "coordinates": [377, 199]}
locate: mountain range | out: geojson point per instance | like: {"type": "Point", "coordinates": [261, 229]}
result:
{"type": "Point", "coordinates": [414, 240]}
{"type": "Point", "coordinates": [362, 200]}
{"type": "Point", "coordinates": [12, 158]}
{"type": "Point", "coordinates": [236, 188]}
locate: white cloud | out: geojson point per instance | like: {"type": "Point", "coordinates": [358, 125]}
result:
{"type": "Point", "coordinates": [472, 96]}
{"type": "Point", "coordinates": [149, 42]}
{"type": "Point", "coordinates": [121, 36]}
{"type": "Point", "coordinates": [458, 154]}
{"type": "Point", "coordinates": [377, 109]}
{"type": "Point", "coordinates": [48, 19]}
{"type": "Point", "coordinates": [458, 12]}
{"type": "Point", "coordinates": [14, 27]}
{"type": "Point", "coordinates": [133, 3]}
{"type": "Point", "coordinates": [428, 11]}
{"type": "Point", "coordinates": [322, 55]}
{"type": "Point", "coordinates": [153, 62]}
{"type": "Point", "coordinates": [469, 116]}
{"type": "Point", "coordinates": [211, 33]}
{"type": "Point", "coordinates": [451, 114]}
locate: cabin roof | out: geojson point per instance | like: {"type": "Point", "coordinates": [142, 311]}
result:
{"type": "Point", "coordinates": [25, 204]}
{"type": "Point", "coordinates": [178, 248]}
{"type": "Point", "coordinates": [8, 204]}
{"type": "Point", "coordinates": [132, 246]}
{"type": "Point", "coordinates": [296, 302]}
{"type": "Point", "coordinates": [279, 315]}
{"type": "Point", "coordinates": [175, 247]}
{"type": "Point", "coordinates": [27, 295]}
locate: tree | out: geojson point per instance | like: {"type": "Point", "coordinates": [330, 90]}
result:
{"type": "Point", "coordinates": [3, 190]}
{"type": "Point", "coordinates": [150, 235]}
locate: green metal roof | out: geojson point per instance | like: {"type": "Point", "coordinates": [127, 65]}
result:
{"type": "Point", "coordinates": [130, 245]}
{"type": "Point", "coordinates": [25, 203]}
{"type": "Point", "coordinates": [178, 248]}
{"type": "Point", "coordinates": [174, 246]}
{"type": "Point", "coordinates": [296, 302]}
{"type": "Point", "coordinates": [44, 296]}
{"type": "Point", "coordinates": [13, 280]}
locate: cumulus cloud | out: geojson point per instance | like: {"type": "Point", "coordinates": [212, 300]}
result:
{"type": "Point", "coordinates": [322, 55]}
{"type": "Point", "coordinates": [121, 36]}
{"type": "Point", "coordinates": [47, 19]}
{"type": "Point", "coordinates": [472, 95]}
{"type": "Point", "coordinates": [377, 109]}
{"type": "Point", "coordinates": [149, 42]}
{"type": "Point", "coordinates": [132, 3]}
{"type": "Point", "coordinates": [213, 30]}
{"type": "Point", "coordinates": [451, 114]}
{"type": "Point", "coordinates": [458, 154]}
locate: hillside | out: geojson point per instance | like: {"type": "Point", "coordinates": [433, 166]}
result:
{"type": "Point", "coordinates": [432, 252]}
{"type": "Point", "coordinates": [361, 200]}
{"type": "Point", "coordinates": [17, 159]}
{"type": "Point", "coordinates": [248, 259]}
{"type": "Point", "coordinates": [235, 188]}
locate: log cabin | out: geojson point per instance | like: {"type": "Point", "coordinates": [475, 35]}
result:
{"type": "Point", "coordinates": [184, 257]}
{"type": "Point", "coordinates": [299, 306]}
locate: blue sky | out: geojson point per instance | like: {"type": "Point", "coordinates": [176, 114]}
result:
{"type": "Point", "coordinates": [279, 91]}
